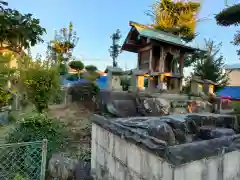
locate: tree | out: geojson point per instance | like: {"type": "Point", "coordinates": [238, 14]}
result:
{"type": "Point", "coordinates": [41, 84]}
{"type": "Point", "coordinates": [62, 46]}
{"type": "Point", "coordinates": [115, 48]}
{"type": "Point", "coordinates": [2, 4]}
{"type": "Point", "coordinates": [19, 31]}
{"type": "Point", "coordinates": [92, 74]}
{"type": "Point", "coordinates": [230, 16]}
{"type": "Point", "coordinates": [91, 68]}
{"type": "Point", "coordinates": [209, 65]}
{"type": "Point", "coordinates": [179, 18]}
{"type": "Point", "coordinates": [77, 66]}
{"type": "Point", "coordinates": [5, 77]}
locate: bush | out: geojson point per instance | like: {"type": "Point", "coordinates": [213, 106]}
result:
{"type": "Point", "coordinates": [91, 76]}
{"type": "Point", "coordinates": [63, 69]}
{"type": "Point", "coordinates": [76, 65]}
{"type": "Point", "coordinates": [41, 86]}
{"type": "Point", "coordinates": [91, 68]}
{"type": "Point", "coordinates": [36, 127]}
{"type": "Point", "coordinates": [5, 97]}
{"type": "Point", "coordinates": [72, 77]}
{"type": "Point", "coordinates": [84, 91]}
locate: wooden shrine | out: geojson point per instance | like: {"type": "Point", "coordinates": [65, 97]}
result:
{"type": "Point", "coordinates": [160, 54]}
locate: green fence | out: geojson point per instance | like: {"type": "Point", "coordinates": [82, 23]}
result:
{"type": "Point", "coordinates": [23, 161]}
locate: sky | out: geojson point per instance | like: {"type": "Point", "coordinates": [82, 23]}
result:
{"type": "Point", "coordinates": [95, 21]}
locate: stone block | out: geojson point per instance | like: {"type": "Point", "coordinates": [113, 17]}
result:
{"type": "Point", "coordinates": [231, 165]}
{"type": "Point", "coordinates": [134, 157]}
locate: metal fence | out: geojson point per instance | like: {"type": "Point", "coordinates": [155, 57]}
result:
{"type": "Point", "coordinates": [23, 161]}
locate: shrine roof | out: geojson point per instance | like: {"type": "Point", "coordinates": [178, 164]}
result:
{"type": "Point", "coordinates": [161, 36]}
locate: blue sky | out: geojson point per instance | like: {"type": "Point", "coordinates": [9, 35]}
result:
{"type": "Point", "coordinates": [96, 20]}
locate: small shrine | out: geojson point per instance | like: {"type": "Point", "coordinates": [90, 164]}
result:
{"type": "Point", "coordinates": [202, 86]}
{"type": "Point", "coordinates": [114, 78]}
{"type": "Point", "coordinates": [160, 57]}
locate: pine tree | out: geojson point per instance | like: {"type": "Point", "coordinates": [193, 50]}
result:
{"type": "Point", "coordinates": [210, 65]}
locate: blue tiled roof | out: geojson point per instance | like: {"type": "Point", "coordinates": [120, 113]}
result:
{"type": "Point", "coordinates": [232, 91]}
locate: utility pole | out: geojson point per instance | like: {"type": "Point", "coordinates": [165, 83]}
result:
{"type": "Point", "coordinates": [114, 50]}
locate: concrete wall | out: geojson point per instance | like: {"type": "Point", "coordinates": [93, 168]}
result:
{"type": "Point", "coordinates": [225, 167]}
{"type": "Point", "coordinates": [116, 159]}
{"type": "Point", "coordinates": [234, 77]}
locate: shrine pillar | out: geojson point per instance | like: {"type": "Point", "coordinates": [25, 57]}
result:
{"type": "Point", "coordinates": [181, 66]}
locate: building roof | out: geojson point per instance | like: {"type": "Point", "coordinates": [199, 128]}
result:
{"type": "Point", "coordinates": [113, 69]}
{"type": "Point", "coordinates": [161, 36]}
{"type": "Point", "coordinates": [233, 66]}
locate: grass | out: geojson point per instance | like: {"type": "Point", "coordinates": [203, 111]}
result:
{"type": "Point", "coordinates": [236, 106]}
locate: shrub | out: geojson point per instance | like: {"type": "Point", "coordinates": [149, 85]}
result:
{"type": "Point", "coordinates": [77, 65]}
{"type": "Point", "coordinates": [84, 91]}
{"type": "Point", "coordinates": [36, 127]}
{"type": "Point", "coordinates": [91, 68]}
{"type": "Point", "coordinates": [63, 69]}
{"type": "Point", "coordinates": [72, 77]}
{"type": "Point", "coordinates": [41, 86]}
{"type": "Point", "coordinates": [5, 97]}
{"type": "Point", "coordinates": [91, 76]}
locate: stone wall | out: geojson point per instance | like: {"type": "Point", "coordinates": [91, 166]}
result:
{"type": "Point", "coordinates": [113, 158]}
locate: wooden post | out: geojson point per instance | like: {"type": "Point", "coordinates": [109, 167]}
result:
{"type": "Point", "coordinates": [181, 63]}
{"type": "Point", "coordinates": [181, 69]}
{"type": "Point", "coordinates": [150, 70]}
{"type": "Point", "coordinates": [150, 61]}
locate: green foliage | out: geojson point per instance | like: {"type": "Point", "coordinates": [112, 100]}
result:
{"type": "Point", "coordinates": [36, 127]}
{"type": "Point", "coordinates": [84, 91]}
{"type": "Point", "coordinates": [19, 31]}
{"type": "Point", "coordinates": [2, 4]}
{"type": "Point", "coordinates": [236, 107]}
{"type": "Point", "coordinates": [208, 65]}
{"type": "Point", "coordinates": [115, 48]}
{"type": "Point", "coordinates": [19, 177]}
{"type": "Point", "coordinates": [63, 69]}
{"type": "Point", "coordinates": [85, 154]}
{"type": "Point", "coordinates": [60, 49]}
{"type": "Point", "coordinates": [41, 86]}
{"type": "Point", "coordinates": [186, 89]}
{"type": "Point", "coordinates": [91, 76]}
{"type": "Point", "coordinates": [6, 72]}
{"type": "Point", "coordinates": [76, 65]}
{"type": "Point", "coordinates": [91, 68]}
{"type": "Point", "coordinates": [72, 77]}
{"type": "Point", "coordinates": [5, 97]}
{"type": "Point", "coordinates": [229, 16]}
